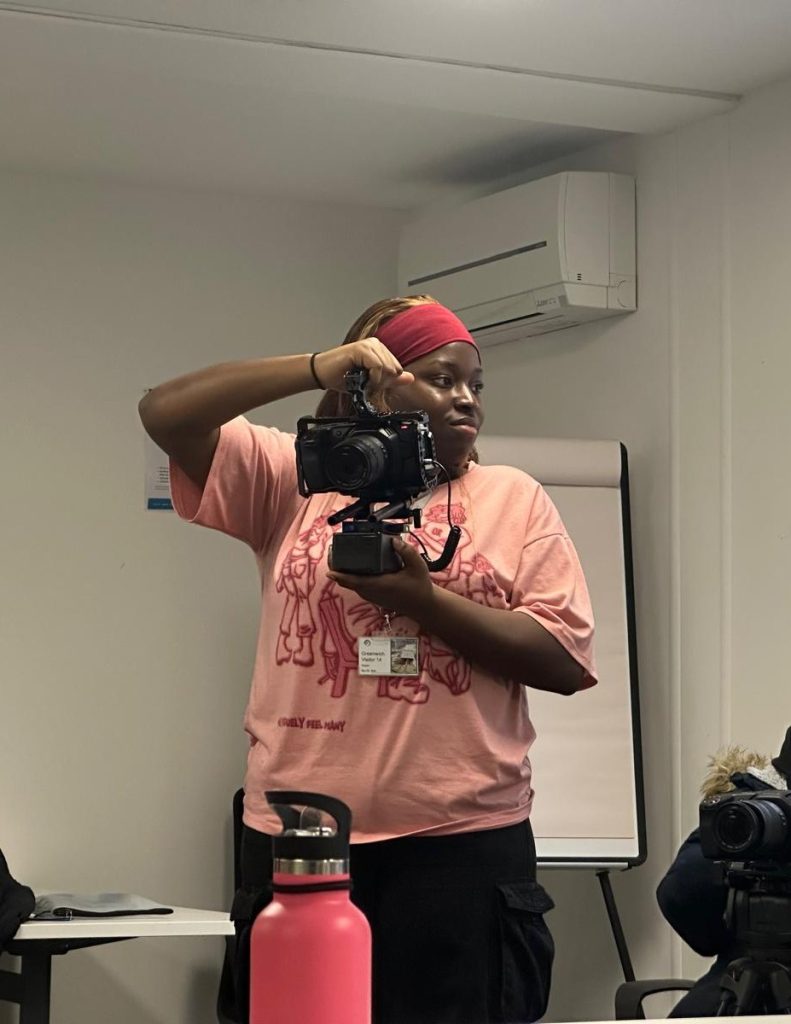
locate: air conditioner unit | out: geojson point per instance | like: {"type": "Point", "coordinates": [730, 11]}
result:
{"type": "Point", "coordinates": [540, 257]}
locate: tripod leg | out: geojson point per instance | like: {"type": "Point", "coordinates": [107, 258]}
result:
{"type": "Point", "coordinates": [780, 986]}
{"type": "Point", "coordinates": [728, 988]}
{"type": "Point", "coordinates": [746, 988]}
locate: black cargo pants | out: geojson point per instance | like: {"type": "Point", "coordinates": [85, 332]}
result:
{"type": "Point", "coordinates": [457, 923]}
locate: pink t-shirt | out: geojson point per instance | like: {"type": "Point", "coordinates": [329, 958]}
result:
{"type": "Point", "coordinates": [438, 753]}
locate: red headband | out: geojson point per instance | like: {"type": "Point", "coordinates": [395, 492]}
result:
{"type": "Point", "coordinates": [421, 329]}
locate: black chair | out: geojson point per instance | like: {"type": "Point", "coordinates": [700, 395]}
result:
{"type": "Point", "coordinates": [629, 995]}
{"type": "Point", "coordinates": [226, 1004]}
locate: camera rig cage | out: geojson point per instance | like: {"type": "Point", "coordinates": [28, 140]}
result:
{"type": "Point", "coordinates": [375, 458]}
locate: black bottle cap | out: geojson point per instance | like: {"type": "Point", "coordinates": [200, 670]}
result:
{"type": "Point", "coordinates": [304, 836]}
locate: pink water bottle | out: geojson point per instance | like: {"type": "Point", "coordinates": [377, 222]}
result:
{"type": "Point", "coordinates": [310, 949]}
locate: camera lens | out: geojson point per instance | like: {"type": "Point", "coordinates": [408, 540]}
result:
{"type": "Point", "coordinates": [755, 829]}
{"type": "Point", "coordinates": [357, 462]}
{"type": "Point", "coordinates": [737, 828]}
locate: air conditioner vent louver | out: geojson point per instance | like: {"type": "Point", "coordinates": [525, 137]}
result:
{"type": "Point", "coordinates": [477, 258]}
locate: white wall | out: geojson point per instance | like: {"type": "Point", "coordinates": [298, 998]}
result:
{"type": "Point", "coordinates": [127, 637]}
{"type": "Point", "coordinates": [759, 204]}
{"type": "Point", "coordinates": [696, 383]}
{"type": "Point", "coordinates": [612, 380]}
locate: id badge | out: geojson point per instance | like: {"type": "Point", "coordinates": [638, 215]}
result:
{"type": "Point", "coordinates": [388, 656]}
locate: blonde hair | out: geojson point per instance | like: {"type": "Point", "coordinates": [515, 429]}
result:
{"type": "Point", "coordinates": [337, 403]}
{"type": "Point", "coordinates": [727, 762]}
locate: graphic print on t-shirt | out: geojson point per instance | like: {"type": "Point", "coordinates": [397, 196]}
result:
{"type": "Point", "coordinates": [314, 628]}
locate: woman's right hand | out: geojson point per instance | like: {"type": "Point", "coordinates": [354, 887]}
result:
{"type": "Point", "coordinates": [368, 354]}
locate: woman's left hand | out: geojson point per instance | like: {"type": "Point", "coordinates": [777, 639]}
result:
{"type": "Point", "coordinates": [406, 592]}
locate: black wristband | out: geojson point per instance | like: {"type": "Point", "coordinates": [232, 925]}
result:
{"type": "Point", "coordinates": [313, 371]}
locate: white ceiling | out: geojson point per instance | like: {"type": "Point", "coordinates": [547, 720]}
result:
{"type": "Point", "coordinates": [398, 103]}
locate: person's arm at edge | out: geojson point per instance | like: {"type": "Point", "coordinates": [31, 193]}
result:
{"type": "Point", "coordinates": [502, 641]}
{"type": "Point", "coordinates": [515, 645]}
{"type": "Point", "coordinates": [184, 416]}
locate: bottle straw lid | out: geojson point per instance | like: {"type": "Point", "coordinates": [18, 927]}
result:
{"type": "Point", "coordinates": [306, 835]}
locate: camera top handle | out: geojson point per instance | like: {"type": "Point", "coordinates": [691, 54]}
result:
{"type": "Point", "coordinates": [356, 381]}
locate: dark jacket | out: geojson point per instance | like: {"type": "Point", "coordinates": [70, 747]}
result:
{"type": "Point", "coordinates": [16, 903]}
{"type": "Point", "coordinates": [692, 898]}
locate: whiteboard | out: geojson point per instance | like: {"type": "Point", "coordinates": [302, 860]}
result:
{"type": "Point", "coordinates": [587, 764]}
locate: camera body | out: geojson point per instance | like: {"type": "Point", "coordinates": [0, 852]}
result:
{"type": "Point", "coordinates": [375, 458]}
{"type": "Point", "coordinates": [747, 826]}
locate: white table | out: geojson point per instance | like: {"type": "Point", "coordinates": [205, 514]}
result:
{"type": "Point", "coordinates": [36, 942]}
{"type": "Point", "coordinates": [769, 1018]}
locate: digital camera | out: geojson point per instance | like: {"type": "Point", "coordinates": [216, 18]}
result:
{"type": "Point", "coordinates": [747, 826]}
{"type": "Point", "coordinates": [375, 458]}
{"type": "Point", "coordinates": [378, 458]}
{"type": "Point", "coordinates": [372, 456]}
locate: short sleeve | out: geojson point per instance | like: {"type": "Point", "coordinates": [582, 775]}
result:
{"type": "Point", "coordinates": [550, 585]}
{"type": "Point", "coordinates": [251, 490]}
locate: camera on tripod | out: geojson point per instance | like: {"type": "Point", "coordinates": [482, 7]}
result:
{"type": "Point", "coordinates": [748, 826]}
{"type": "Point", "coordinates": [376, 458]}
{"type": "Point", "coordinates": [750, 833]}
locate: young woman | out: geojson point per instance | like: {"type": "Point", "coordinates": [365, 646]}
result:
{"type": "Point", "coordinates": [434, 765]}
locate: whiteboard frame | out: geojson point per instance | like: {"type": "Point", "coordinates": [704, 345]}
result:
{"type": "Point", "coordinates": [604, 863]}
{"type": "Point", "coordinates": [619, 475]}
